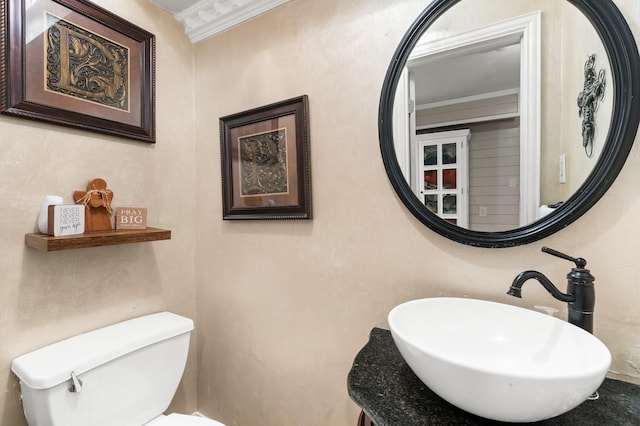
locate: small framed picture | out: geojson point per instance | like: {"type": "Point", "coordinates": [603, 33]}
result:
{"type": "Point", "coordinates": [266, 167]}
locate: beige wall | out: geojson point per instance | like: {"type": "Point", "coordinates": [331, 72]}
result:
{"type": "Point", "coordinates": [287, 305]}
{"type": "Point", "coordinates": [45, 297]}
{"type": "Point", "coordinates": [282, 307]}
{"type": "Point", "coordinates": [579, 40]}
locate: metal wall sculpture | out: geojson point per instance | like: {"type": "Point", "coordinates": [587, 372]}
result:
{"type": "Point", "coordinates": [588, 99]}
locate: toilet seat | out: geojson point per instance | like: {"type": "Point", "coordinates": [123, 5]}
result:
{"type": "Point", "coordinates": [176, 419]}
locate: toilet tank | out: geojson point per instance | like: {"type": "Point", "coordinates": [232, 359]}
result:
{"type": "Point", "coordinates": [128, 372]}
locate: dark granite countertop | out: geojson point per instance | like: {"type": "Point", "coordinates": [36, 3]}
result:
{"type": "Point", "coordinates": [384, 386]}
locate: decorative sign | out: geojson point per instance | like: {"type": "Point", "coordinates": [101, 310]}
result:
{"type": "Point", "coordinates": [131, 218]}
{"type": "Point", "coordinates": [66, 219]}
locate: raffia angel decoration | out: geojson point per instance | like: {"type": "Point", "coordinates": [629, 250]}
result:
{"type": "Point", "coordinates": [97, 201]}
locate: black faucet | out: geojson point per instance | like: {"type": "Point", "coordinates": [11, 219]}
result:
{"type": "Point", "coordinates": [580, 295]}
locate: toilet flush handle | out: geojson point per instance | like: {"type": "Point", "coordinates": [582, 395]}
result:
{"type": "Point", "coordinates": [76, 385]}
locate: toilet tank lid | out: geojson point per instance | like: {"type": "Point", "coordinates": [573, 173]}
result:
{"type": "Point", "coordinates": [53, 364]}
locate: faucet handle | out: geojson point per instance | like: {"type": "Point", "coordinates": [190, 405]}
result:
{"type": "Point", "coordinates": [580, 262]}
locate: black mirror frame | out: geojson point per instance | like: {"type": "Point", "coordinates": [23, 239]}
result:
{"type": "Point", "coordinates": [622, 49]}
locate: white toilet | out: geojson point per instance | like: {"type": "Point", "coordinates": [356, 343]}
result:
{"type": "Point", "coordinates": [122, 375]}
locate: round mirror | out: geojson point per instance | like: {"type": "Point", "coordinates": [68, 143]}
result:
{"type": "Point", "coordinates": [504, 124]}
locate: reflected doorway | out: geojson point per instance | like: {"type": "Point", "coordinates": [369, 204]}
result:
{"type": "Point", "coordinates": [488, 81]}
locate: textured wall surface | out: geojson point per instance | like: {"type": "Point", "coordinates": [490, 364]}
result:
{"type": "Point", "coordinates": [282, 307]}
{"type": "Point", "coordinates": [288, 304]}
{"type": "Point", "coordinates": [45, 297]}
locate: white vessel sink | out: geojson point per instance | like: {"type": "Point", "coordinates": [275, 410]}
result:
{"type": "Point", "coordinates": [498, 361]}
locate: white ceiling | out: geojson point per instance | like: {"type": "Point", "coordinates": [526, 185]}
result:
{"type": "Point", "coordinates": [205, 18]}
{"type": "Point", "coordinates": [175, 6]}
{"type": "Point", "coordinates": [470, 74]}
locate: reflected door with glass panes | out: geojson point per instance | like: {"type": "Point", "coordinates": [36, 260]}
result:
{"type": "Point", "coordinates": [441, 177]}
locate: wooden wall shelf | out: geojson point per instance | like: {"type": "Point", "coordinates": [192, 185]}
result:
{"type": "Point", "coordinates": [95, 239]}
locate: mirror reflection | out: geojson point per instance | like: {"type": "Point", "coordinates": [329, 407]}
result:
{"type": "Point", "coordinates": [487, 128]}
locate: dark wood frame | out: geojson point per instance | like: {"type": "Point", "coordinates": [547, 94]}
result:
{"type": "Point", "coordinates": [296, 202]}
{"type": "Point", "coordinates": [137, 121]}
{"type": "Point", "coordinates": [623, 54]}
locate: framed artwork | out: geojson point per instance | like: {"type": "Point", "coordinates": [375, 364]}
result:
{"type": "Point", "coordinates": [72, 63]}
{"type": "Point", "coordinates": [266, 169]}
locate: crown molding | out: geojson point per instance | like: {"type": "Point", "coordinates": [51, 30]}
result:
{"type": "Point", "coordinates": [207, 18]}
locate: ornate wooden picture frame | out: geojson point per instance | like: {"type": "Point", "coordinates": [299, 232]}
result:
{"type": "Point", "coordinates": [72, 63]}
{"type": "Point", "coordinates": [266, 167]}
